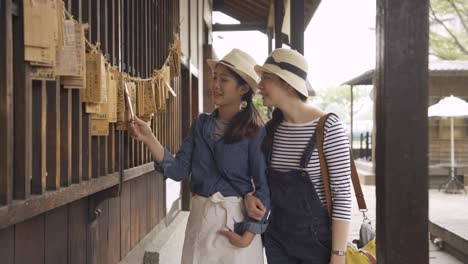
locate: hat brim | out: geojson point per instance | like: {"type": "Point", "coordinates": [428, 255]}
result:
{"type": "Point", "coordinates": [295, 82]}
{"type": "Point", "coordinates": [250, 81]}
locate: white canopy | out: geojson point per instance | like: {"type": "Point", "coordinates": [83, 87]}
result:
{"type": "Point", "coordinates": [449, 106]}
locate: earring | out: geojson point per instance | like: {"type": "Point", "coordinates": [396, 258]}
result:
{"type": "Point", "coordinates": [243, 104]}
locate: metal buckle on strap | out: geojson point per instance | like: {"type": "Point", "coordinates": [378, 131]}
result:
{"type": "Point", "coordinates": [363, 211]}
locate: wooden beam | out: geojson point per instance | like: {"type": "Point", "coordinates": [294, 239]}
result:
{"type": "Point", "coordinates": [297, 25]}
{"type": "Point", "coordinates": [87, 146]}
{"type": "Point", "coordinates": [118, 20]}
{"type": "Point", "coordinates": [146, 47]}
{"type": "Point", "coordinates": [218, 5]}
{"type": "Point", "coordinates": [53, 135]}
{"type": "Point", "coordinates": [240, 27]}
{"type": "Point", "coordinates": [66, 137]}
{"type": "Point", "coordinates": [94, 21]}
{"type": "Point", "coordinates": [19, 211]}
{"type": "Point", "coordinates": [22, 112]}
{"type": "Point", "coordinates": [113, 35]}
{"type": "Point", "coordinates": [118, 166]}
{"type": "Point", "coordinates": [76, 10]}
{"type": "Point", "coordinates": [112, 141]}
{"type": "Point", "coordinates": [6, 103]}
{"type": "Point", "coordinates": [131, 152]}
{"type": "Point", "coordinates": [279, 16]}
{"type": "Point", "coordinates": [77, 137]}
{"type": "Point", "coordinates": [103, 28]}
{"type": "Point", "coordinates": [402, 131]}
{"type": "Point", "coordinates": [139, 40]}
{"type": "Point", "coordinates": [36, 205]}
{"type": "Point", "coordinates": [39, 106]}
{"type": "Point", "coordinates": [126, 150]}
{"type": "Point", "coordinates": [103, 149]}
{"type": "Point", "coordinates": [133, 37]}
{"type": "Point", "coordinates": [126, 36]}
{"type": "Point", "coordinates": [96, 153]}
{"type": "Point", "coordinates": [270, 42]}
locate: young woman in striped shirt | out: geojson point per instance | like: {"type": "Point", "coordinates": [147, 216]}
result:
{"type": "Point", "coordinates": [299, 229]}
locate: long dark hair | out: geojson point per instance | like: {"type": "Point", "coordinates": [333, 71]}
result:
{"type": "Point", "coordinates": [247, 122]}
{"type": "Point", "coordinates": [271, 126]}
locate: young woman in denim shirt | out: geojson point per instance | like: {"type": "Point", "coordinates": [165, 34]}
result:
{"type": "Point", "coordinates": [222, 153]}
{"type": "Point", "coordinates": [300, 230]}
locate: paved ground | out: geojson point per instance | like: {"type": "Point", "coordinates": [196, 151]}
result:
{"type": "Point", "coordinates": [448, 209]}
{"type": "Point", "coordinates": [437, 210]}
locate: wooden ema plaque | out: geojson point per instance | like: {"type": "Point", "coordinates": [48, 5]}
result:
{"type": "Point", "coordinates": [95, 91]}
{"type": "Point", "coordinates": [112, 81]}
{"type": "Point", "coordinates": [99, 127]}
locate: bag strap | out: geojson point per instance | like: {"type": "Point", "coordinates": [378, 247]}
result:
{"type": "Point", "coordinates": [223, 173]}
{"type": "Point", "coordinates": [320, 131]}
{"type": "Point", "coordinates": [369, 256]}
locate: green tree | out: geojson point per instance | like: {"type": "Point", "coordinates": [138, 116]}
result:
{"type": "Point", "coordinates": [448, 34]}
{"type": "Point", "coordinates": [258, 103]}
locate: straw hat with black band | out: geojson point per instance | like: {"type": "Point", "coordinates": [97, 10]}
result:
{"type": "Point", "coordinates": [289, 65]}
{"type": "Point", "coordinates": [241, 63]}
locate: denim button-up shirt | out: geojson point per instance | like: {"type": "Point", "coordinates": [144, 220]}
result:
{"type": "Point", "coordinates": [243, 163]}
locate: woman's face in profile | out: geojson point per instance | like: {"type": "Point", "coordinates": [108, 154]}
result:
{"type": "Point", "coordinates": [226, 89]}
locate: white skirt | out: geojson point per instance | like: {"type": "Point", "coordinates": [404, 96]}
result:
{"type": "Point", "coordinates": [203, 245]}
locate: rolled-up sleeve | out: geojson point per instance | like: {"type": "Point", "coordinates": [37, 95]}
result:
{"type": "Point", "coordinates": [257, 165]}
{"type": "Point", "coordinates": [179, 167]}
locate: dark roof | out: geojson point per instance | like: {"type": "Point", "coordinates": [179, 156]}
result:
{"type": "Point", "coordinates": [436, 68]}
{"type": "Point", "coordinates": [257, 11]}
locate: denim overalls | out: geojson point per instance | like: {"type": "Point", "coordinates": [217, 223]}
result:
{"type": "Point", "coordinates": [299, 226]}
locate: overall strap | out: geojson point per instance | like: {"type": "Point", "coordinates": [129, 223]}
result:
{"type": "Point", "coordinates": [309, 149]}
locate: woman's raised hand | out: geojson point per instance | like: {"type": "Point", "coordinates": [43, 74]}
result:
{"type": "Point", "coordinates": [140, 130]}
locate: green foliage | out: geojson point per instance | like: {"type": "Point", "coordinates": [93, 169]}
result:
{"type": "Point", "coordinates": [448, 37]}
{"type": "Point", "coordinates": [338, 100]}
{"type": "Point", "coordinates": [445, 48]}
{"type": "Point", "coordinates": [258, 103]}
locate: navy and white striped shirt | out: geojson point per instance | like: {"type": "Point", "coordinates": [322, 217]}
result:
{"type": "Point", "coordinates": [289, 143]}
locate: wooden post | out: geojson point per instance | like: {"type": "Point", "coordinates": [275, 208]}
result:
{"type": "Point", "coordinates": [22, 111]}
{"type": "Point", "coordinates": [39, 106]}
{"type": "Point", "coordinates": [112, 140]}
{"type": "Point", "coordinates": [297, 25]}
{"type": "Point", "coordinates": [53, 135]}
{"type": "Point", "coordinates": [104, 154]}
{"type": "Point", "coordinates": [270, 44]}
{"type": "Point", "coordinates": [66, 136]}
{"type": "Point", "coordinates": [279, 16]}
{"type": "Point", "coordinates": [402, 131]}
{"type": "Point", "coordinates": [87, 147]}
{"type": "Point", "coordinates": [96, 154]}
{"type": "Point", "coordinates": [6, 103]}
{"type": "Point", "coordinates": [77, 137]}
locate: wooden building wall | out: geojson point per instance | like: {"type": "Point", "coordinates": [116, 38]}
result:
{"type": "Point", "coordinates": [66, 196]}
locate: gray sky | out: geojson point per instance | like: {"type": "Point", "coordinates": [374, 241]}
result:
{"type": "Point", "coordinates": [339, 41]}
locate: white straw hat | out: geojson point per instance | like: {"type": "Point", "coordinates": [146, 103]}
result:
{"type": "Point", "coordinates": [241, 63]}
{"type": "Point", "coordinates": [290, 66]}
